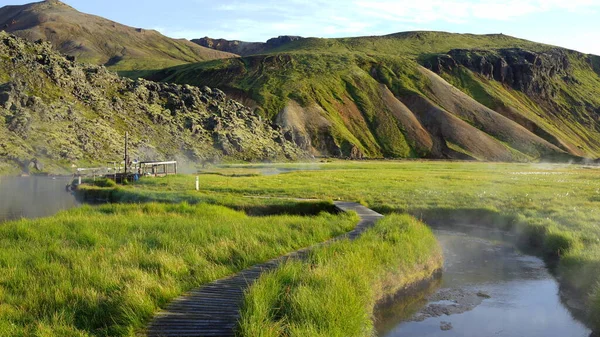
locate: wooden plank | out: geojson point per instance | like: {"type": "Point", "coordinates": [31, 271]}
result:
{"type": "Point", "coordinates": [213, 310]}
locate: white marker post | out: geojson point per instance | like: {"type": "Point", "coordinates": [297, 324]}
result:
{"type": "Point", "coordinates": [197, 183]}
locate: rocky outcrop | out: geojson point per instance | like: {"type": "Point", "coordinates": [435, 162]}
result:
{"type": "Point", "coordinates": [230, 46]}
{"type": "Point", "coordinates": [245, 48]}
{"type": "Point", "coordinates": [523, 70]}
{"type": "Point", "coordinates": [53, 109]}
{"type": "Point", "coordinates": [595, 63]}
{"type": "Point", "coordinates": [281, 40]}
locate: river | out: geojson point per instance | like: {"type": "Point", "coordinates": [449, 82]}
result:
{"type": "Point", "coordinates": [487, 289]}
{"type": "Point", "coordinates": [33, 197]}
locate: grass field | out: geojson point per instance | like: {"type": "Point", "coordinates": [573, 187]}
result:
{"type": "Point", "coordinates": [352, 276]}
{"type": "Point", "coordinates": [552, 208]}
{"type": "Point", "coordinates": [105, 271]}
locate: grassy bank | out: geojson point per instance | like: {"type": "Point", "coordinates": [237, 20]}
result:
{"type": "Point", "coordinates": [350, 275]}
{"type": "Point", "coordinates": [554, 208]}
{"type": "Point", "coordinates": [104, 271]}
{"type": "Point", "coordinates": [256, 206]}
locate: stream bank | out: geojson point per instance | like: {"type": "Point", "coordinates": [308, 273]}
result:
{"type": "Point", "coordinates": [488, 288]}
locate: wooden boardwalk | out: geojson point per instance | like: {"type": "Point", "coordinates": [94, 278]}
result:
{"type": "Point", "coordinates": [214, 309]}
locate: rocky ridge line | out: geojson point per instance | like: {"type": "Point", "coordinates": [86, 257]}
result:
{"type": "Point", "coordinates": [54, 109]}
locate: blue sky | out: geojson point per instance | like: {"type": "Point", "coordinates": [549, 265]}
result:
{"type": "Point", "coordinates": [573, 24]}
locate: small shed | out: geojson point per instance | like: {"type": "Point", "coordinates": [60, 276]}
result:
{"type": "Point", "coordinates": [157, 168]}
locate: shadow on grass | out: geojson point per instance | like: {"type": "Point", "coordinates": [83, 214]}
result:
{"type": "Point", "coordinates": [250, 206]}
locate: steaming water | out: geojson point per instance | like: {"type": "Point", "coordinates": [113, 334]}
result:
{"type": "Point", "coordinates": [523, 297]}
{"type": "Point", "coordinates": [275, 170]}
{"type": "Point", "coordinates": [32, 197]}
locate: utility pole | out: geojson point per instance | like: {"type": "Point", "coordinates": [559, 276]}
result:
{"type": "Point", "coordinates": [126, 154]}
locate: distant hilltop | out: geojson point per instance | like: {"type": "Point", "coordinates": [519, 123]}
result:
{"type": "Point", "coordinates": [93, 39]}
{"type": "Point", "coordinates": [245, 48]}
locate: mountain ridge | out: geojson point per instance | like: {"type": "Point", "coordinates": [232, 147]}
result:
{"type": "Point", "coordinates": [244, 48]}
{"type": "Point", "coordinates": [93, 39]}
{"type": "Point", "coordinates": [418, 94]}
{"type": "Point", "coordinates": [545, 92]}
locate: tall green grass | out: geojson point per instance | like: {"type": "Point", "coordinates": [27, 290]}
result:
{"type": "Point", "coordinates": [554, 207]}
{"type": "Point", "coordinates": [333, 292]}
{"type": "Point", "coordinates": [106, 271]}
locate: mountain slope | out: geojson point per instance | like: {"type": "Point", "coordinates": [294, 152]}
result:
{"type": "Point", "coordinates": [245, 48]}
{"type": "Point", "coordinates": [419, 94]}
{"type": "Point", "coordinates": [56, 112]}
{"type": "Point", "coordinates": [92, 39]}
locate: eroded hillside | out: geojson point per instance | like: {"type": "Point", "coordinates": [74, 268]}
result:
{"type": "Point", "coordinates": [418, 95]}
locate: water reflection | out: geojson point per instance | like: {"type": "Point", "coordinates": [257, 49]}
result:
{"type": "Point", "coordinates": [391, 314]}
{"type": "Point", "coordinates": [32, 197]}
{"type": "Point", "coordinates": [487, 289]}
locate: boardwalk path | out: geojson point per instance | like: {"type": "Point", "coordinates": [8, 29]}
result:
{"type": "Point", "coordinates": [214, 309]}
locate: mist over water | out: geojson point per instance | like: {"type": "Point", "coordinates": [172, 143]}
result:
{"type": "Point", "coordinates": [487, 289]}
{"type": "Point", "coordinates": [275, 170]}
{"type": "Point", "coordinates": [33, 197]}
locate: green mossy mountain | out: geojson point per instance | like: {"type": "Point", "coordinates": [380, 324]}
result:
{"type": "Point", "coordinates": [405, 95]}
{"type": "Point", "coordinates": [418, 94]}
{"type": "Point", "coordinates": [92, 39]}
{"type": "Point", "coordinates": [57, 112]}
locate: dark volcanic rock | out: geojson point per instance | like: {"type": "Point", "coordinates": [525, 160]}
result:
{"type": "Point", "coordinates": [245, 48]}
{"type": "Point", "coordinates": [230, 46]}
{"type": "Point", "coordinates": [281, 40]}
{"type": "Point", "coordinates": [529, 72]}
{"type": "Point", "coordinates": [595, 63]}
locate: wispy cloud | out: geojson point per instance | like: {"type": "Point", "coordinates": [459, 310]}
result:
{"type": "Point", "coordinates": [463, 10]}
{"type": "Point", "coordinates": [261, 19]}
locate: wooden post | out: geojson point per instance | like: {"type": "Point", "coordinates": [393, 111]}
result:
{"type": "Point", "coordinates": [175, 167]}
{"type": "Point", "coordinates": [126, 154]}
{"type": "Point", "coordinates": [197, 183]}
